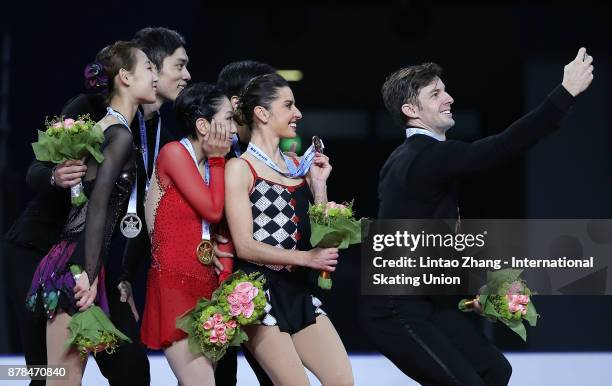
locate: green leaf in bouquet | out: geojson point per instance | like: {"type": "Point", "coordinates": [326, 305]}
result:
{"type": "Point", "coordinates": [187, 321]}
{"type": "Point", "coordinates": [488, 308]}
{"type": "Point", "coordinates": [495, 279]}
{"type": "Point", "coordinates": [239, 337]}
{"type": "Point", "coordinates": [532, 315]}
{"type": "Point", "coordinates": [92, 331]}
{"type": "Point", "coordinates": [516, 326]}
{"type": "Point", "coordinates": [47, 149]}
{"type": "Point", "coordinates": [323, 236]}
{"type": "Point", "coordinates": [352, 228]}
{"type": "Point", "coordinates": [95, 152]}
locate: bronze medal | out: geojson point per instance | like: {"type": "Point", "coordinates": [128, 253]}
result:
{"type": "Point", "coordinates": [317, 144]}
{"type": "Point", "coordinates": [204, 252]}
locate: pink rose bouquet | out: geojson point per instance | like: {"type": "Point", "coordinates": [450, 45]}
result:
{"type": "Point", "coordinates": [506, 298]}
{"type": "Point", "coordinates": [214, 325]}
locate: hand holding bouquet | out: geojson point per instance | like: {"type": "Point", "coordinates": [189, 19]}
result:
{"type": "Point", "coordinates": [66, 139]}
{"type": "Point", "coordinates": [506, 298]}
{"type": "Point", "coordinates": [214, 325]}
{"type": "Point", "coordinates": [333, 226]}
{"type": "Point", "coordinates": [91, 331]}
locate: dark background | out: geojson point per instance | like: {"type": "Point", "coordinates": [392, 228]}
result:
{"type": "Point", "coordinates": [500, 60]}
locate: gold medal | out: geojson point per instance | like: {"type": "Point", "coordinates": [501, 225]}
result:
{"type": "Point", "coordinates": [204, 252]}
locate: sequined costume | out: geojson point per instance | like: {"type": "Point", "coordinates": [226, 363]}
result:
{"type": "Point", "coordinates": [176, 202]}
{"type": "Point", "coordinates": [87, 234]}
{"type": "Point", "coordinates": [280, 219]}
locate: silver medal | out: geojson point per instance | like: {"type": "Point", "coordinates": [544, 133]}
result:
{"type": "Point", "coordinates": [130, 225]}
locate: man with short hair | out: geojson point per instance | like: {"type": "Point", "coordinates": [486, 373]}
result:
{"type": "Point", "coordinates": [425, 337]}
{"type": "Point", "coordinates": [232, 79]}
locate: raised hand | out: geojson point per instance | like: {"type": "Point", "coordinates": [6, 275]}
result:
{"type": "Point", "coordinates": [217, 140]}
{"type": "Point", "coordinates": [320, 169]}
{"type": "Point", "coordinates": [578, 74]}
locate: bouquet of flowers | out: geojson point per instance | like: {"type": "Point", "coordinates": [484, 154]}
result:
{"type": "Point", "coordinates": [91, 331]}
{"type": "Point", "coordinates": [66, 139]}
{"type": "Point", "coordinates": [506, 298]}
{"type": "Point", "coordinates": [333, 225]}
{"type": "Point", "coordinates": [214, 325]}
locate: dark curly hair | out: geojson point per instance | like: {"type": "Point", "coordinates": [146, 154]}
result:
{"type": "Point", "coordinates": [260, 91]}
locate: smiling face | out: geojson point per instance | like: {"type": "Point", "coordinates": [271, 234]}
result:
{"type": "Point", "coordinates": [284, 114]}
{"type": "Point", "coordinates": [143, 83]}
{"type": "Point", "coordinates": [173, 76]}
{"type": "Point", "coordinates": [434, 112]}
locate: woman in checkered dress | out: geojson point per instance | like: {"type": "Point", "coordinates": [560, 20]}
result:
{"type": "Point", "coordinates": [267, 216]}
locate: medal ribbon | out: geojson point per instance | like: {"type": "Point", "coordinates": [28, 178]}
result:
{"type": "Point", "coordinates": [185, 142]}
{"type": "Point", "coordinates": [133, 195]}
{"type": "Point", "coordinates": [144, 144]}
{"type": "Point", "coordinates": [236, 145]}
{"type": "Point", "coordinates": [294, 171]}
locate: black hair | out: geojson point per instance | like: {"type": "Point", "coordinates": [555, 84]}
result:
{"type": "Point", "coordinates": [197, 100]}
{"type": "Point", "coordinates": [260, 91]}
{"type": "Point", "coordinates": [236, 75]}
{"type": "Point", "coordinates": [158, 43]}
{"type": "Point", "coordinates": [403, 86]}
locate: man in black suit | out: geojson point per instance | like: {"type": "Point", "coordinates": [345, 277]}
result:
{"type": "Point", "coordinates": [427, 338]}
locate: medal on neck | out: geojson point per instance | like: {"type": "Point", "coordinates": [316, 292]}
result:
{"type": "Point", "coordinates": [130, 225]}
{"type": "Point", "coordinates": [204, 250]}
{"type": "Point", "coordinates": [293, 170]}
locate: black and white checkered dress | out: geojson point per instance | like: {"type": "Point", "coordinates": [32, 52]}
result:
{"type": "Point", "coordinates": [280, 219]}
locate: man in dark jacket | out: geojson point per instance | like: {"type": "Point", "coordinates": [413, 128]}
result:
{"type": "Point", "coordinates": [429, 340]}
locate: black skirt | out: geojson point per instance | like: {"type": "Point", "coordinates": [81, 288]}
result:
{"type": "Point", "coordinates": [291, 304]}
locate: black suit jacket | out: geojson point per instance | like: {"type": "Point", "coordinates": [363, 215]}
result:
{"type": "Point", "coordinates": [40, 224]}
{"type": "Point", "coordinates": [420, 178]}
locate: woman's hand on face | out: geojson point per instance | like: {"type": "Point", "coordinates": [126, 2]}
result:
{"type": "Point", "coordinates": [218, 140]}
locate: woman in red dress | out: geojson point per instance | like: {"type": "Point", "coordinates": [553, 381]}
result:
{"type": "Point", "coordinates": [179, 205]}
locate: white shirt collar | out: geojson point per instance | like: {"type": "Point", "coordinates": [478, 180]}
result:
{"type": "Point", "coordinates": [410, 131]}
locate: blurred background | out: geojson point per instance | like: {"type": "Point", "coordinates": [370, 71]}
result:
{"type": "Point", "coordinates": [500, 58]}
